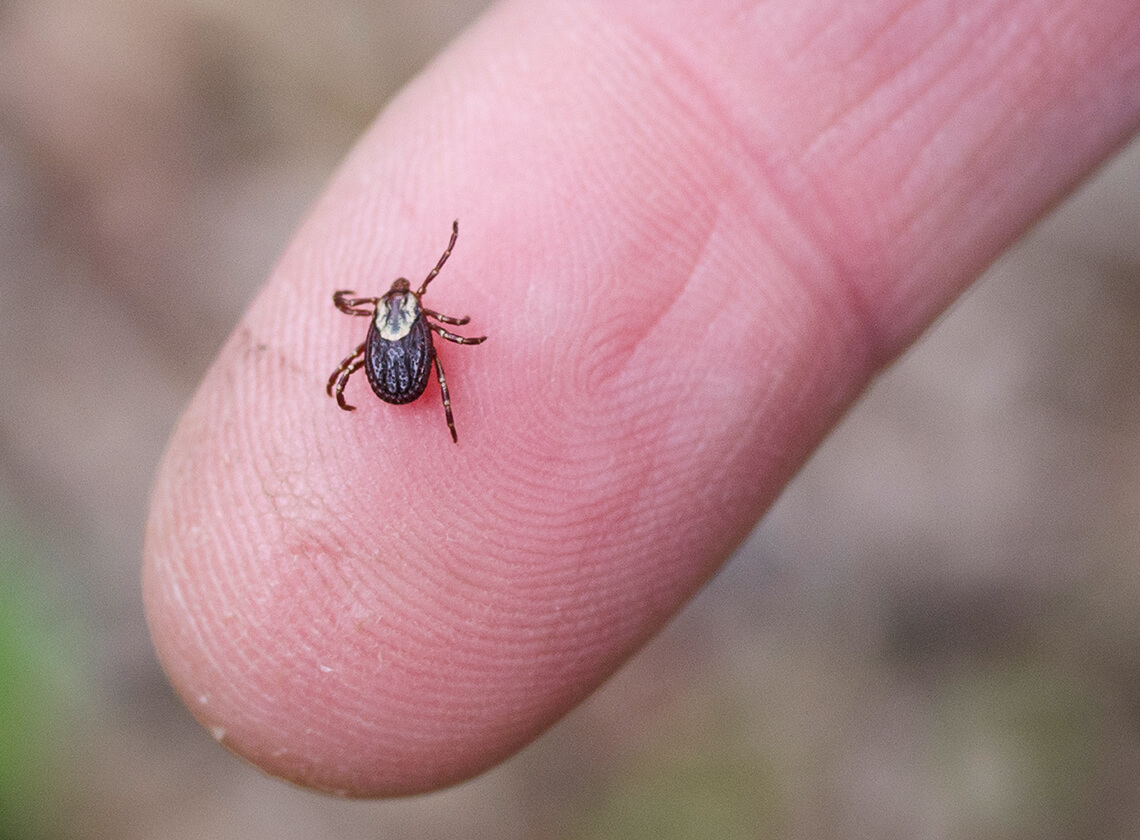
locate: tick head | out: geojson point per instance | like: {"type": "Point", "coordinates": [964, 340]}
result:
{"type": "Point", "coordinates": [401, 285]}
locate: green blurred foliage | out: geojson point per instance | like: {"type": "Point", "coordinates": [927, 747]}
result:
{"type": "Point", "coordinates": [1017, 749]}
{"type": "Point", "coordinates": [697, 779]}
{"type": "Point", "coordinates": [37, 690]}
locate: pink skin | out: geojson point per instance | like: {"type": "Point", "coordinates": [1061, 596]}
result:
{"type": "Point", "coordinates": [692, 232]}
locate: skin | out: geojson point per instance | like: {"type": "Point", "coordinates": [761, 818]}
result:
{"type": "Point", "coordinates": [693, 232]}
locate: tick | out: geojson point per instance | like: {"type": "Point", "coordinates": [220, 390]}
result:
{"type": "Point", "coordinates": [397, 354]}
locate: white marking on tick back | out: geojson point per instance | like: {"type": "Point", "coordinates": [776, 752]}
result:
{"type": "Point", "coordinates": [394, 317]}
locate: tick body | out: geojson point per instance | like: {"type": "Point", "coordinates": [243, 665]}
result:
{"type": "Point", "coordinates": [398, 353]}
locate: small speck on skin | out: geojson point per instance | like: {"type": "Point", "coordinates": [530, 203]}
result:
{"type": "Point", "coordinates": [219, 732]}
{"type": "Point", "coordinates": [203, 699]}
{"type": "Point", "coordinates": [325, 669]}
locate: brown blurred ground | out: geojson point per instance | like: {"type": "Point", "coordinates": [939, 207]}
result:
{"type": "Point", "coordinates": [934, 634]}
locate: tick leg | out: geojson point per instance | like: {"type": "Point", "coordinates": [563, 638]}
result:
{"type": "Point", "coordinates": [447, 319]}
{"type": "Point", "coordinates": [343, 380]}
{"type": "Point", "coordinates": [350, 305]}
{"type": "Point", "coordinates": [353, 362]}
{"type": "Point", "coordinates": [458, 339]}
{"type": "Point", "coordinates": [344, 365]}
{"type": "Point", "coordinates": [446, 399]}
{"type": "Point", "coordinates": [443, 259]}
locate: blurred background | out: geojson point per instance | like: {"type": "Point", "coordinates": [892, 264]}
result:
{"type": "Point", "coordinates": [933, 634]}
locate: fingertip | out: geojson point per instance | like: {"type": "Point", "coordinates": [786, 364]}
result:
{"type": "Point", "coordinates": [355, 606]}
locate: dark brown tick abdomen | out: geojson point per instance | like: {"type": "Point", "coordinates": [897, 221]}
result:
{"type": "Point", "coordinates": [398, 370]}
